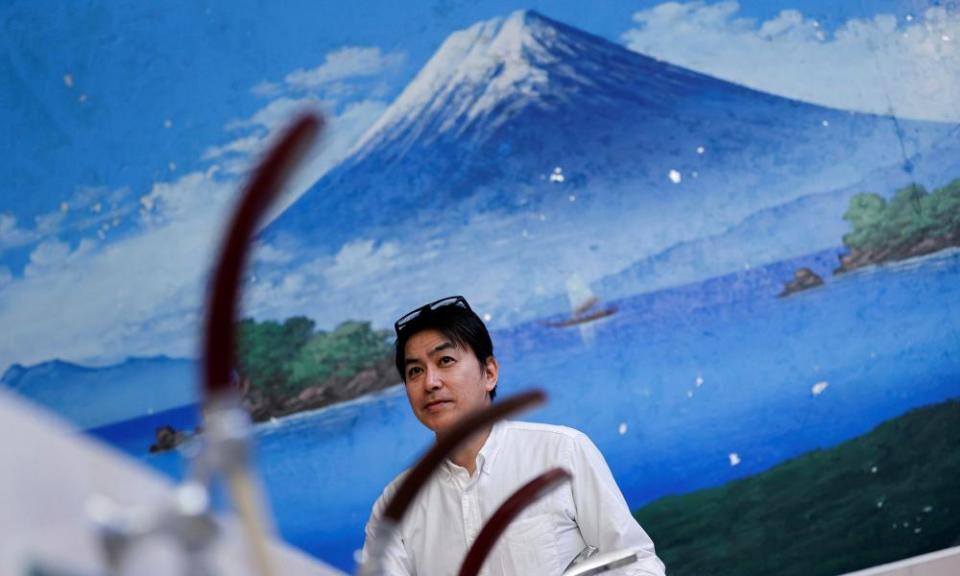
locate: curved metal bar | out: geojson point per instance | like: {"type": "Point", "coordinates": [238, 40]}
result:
{"type": "Point", "coordinates": [265, 184]}
{"type": "Point", "coordinates": [449, 442]}
{"type": "Point", "coordinates": [505, 514]}
{"type": "Point", "coordinates": [226, 450]}
{"type": "Point", "coordinates": [603, 563]}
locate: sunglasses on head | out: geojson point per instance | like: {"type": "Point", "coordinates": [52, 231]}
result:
{"type": "Point", "coordinates": [458, 301]}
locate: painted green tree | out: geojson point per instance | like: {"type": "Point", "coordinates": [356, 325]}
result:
{"type": "Point", "coordinates": [912, 216]}
{"type": "Point", "coordinates": [279, 360]}
{"type": "Point", "coordinates": [265, 350]}
{"type": "Point", "coordinates": [351, 347]}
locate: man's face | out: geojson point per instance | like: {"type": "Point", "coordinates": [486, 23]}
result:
{"type": "Point", "coordinates": [445, 381]}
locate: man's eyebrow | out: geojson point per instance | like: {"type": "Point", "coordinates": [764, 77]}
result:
{"type": "Point", "coordinates": [438, 348]}
{"type": "Point", "coordinates": [441, 347]}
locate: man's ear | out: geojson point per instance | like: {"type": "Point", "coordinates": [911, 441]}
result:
{"type": "Point", "coordinates": [491, 372]}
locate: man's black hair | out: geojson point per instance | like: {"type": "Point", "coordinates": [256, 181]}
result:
{"type": "Point", "coordinates": [460, 325]}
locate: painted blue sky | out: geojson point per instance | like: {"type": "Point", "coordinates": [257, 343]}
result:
{"type": "Point", "coordinates": [131, 126]}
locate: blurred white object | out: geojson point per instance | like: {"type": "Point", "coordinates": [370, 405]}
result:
{"type": "Point", "coordinates": [54, 478]}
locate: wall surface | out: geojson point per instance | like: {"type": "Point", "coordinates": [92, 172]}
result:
{"type": "Point", "coordinates": [722, 236]}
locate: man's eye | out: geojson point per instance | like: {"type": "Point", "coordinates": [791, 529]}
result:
{"type": "Point", "coordinates": [413, 371]}
{"type": "Point", "coordinates": [447, 360]}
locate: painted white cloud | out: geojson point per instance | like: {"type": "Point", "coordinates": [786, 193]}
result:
{"type": "Point", "coordinates": [240, 146]}
{"type": "Point", "coordinates": [361, 261]}
{"type": "Point", "coordinates": [379, 280]}
{"type": "Point", "coordinates": [139, 295]}
{"type": "Point", "coordinates": [267, 89]}
{"type": "Point", "coordinates": [193, 196]}
{"type": "Point", "coordinates": [878, 65]}
{"type": "Point", "coordinates": [348, 62]}
{"type": "Point", "coordinates": [277, 112]}
{"type": "Point", "coordinates": [12, 235]}
{"type": "Point", "coordinates": [51, 254]}
{"type": "Point", "coordinates": [140, 292]}
{"type": "Point", "coordinates": [89, 209]}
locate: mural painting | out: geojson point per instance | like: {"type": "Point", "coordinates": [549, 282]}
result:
{"type": "Point", "coordinates": [723, 237]}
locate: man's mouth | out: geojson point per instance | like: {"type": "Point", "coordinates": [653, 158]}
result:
{"type": "Point", "coordinates": [437, 405]}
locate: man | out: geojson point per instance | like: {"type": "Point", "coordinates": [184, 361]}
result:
{"type": "Point", "coordinates": [445, 356]}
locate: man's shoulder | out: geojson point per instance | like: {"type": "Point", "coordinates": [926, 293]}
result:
{"type": "Point", "coordinates": [390, 489]}
{"type": "Point", "coordinates": [545, 432]}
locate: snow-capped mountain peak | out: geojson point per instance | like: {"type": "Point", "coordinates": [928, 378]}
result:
{"type": "Point", "coordinates": [492, 68]}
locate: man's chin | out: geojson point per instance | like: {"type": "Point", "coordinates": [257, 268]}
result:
{"type": "Point", "coordinates": [439, 422]}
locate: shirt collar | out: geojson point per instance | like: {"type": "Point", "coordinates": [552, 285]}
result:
{"type": "Point", "coordinates": [485, 457]}
{"type": "Point", "coordinates": [490, 448]}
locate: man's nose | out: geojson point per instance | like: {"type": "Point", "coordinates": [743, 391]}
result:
{"type": "Point", "coordinates": [433, 380]}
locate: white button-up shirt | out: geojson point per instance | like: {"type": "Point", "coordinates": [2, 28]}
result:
{"type": "Point", "coordinates": [449, 512]}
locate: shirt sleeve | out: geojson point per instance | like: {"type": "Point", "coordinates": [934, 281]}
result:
{"type": "Point", "coordinates": [602, 513]}
{"type": "Point", "coordinates": [396, 561]}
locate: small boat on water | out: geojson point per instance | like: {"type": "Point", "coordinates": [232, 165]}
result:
{"type": "Point", "coordinates": [584, 305]}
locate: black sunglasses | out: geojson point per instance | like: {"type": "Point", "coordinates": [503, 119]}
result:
{"type": "Point", "coordinates": [459, 301]}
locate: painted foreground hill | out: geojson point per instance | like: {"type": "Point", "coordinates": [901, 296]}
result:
{"type": "Point", "coordinates": [887, 495]}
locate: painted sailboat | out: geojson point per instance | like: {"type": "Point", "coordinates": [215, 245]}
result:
{"type": "Point", "coordinates": [584, 305]}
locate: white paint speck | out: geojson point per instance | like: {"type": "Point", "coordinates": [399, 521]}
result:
{"type": "Point", "coordinates": [573, 198]}
{"type": "Point", "coordinates": [825, 123]}
{"type": "Point", "coordinates": [917, 530]}
{"type": "Point", "coordinates": [945, 38]}
{"type": "Point", "coordinates": [698, 381]}
{"type": "Point", "coordinates": [168, 123]}
{"type": "Point", "coordinates": [557, 175]}
{"type": "Point", "coordinates": [622, 428]}
{"type": "Point", "coordinates": [819, 387]}
{"type": "Point", "coordinates": [675, 177]}
{"type": "Point", "coordinates": [689, 393]}
{"type": "Point", "coordinates": [172, 166]}
{"type": "Point", "coordinates": [64, 206]}
{"type": "Point", "coordinates": [68, 80]}
{"type": "Point", "coordinates": [816, 24]}
{"type": "Point", "coordinates": [543, 217]}
{"type": "Point", "coordinates": [909, 18]}
{"type": "Point", "coordinates": [525, 234]}
{"type": "Point", "coordinates": [928, 509]}
{"type": "Point", "coordinates": [734, 458]}
{"type": "Point", "coordinates": [701, 149]}
{"type": "Point", "coordinates": [82, 98]}
{"type": "Point", "coordinates": [97, 208]}
{"type": "Point", "coordinates": [879, 503]}
{"type": "Point", "coordinates": [695, 174]}
{"type": "Point", "coordinates": [487, 317]}
{"type": "Point", "coordinates": [873, 469]}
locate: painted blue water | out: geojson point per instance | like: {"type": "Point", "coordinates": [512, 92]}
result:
{"type": "Point", "coordinates": [883, 340]}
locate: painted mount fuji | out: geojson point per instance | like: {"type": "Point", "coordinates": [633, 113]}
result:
{"type": "Point", "coordinates": [530, 149]}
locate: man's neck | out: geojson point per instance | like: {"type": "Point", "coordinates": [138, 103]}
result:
{"type": "Point", "coordinates": [466, 456]}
